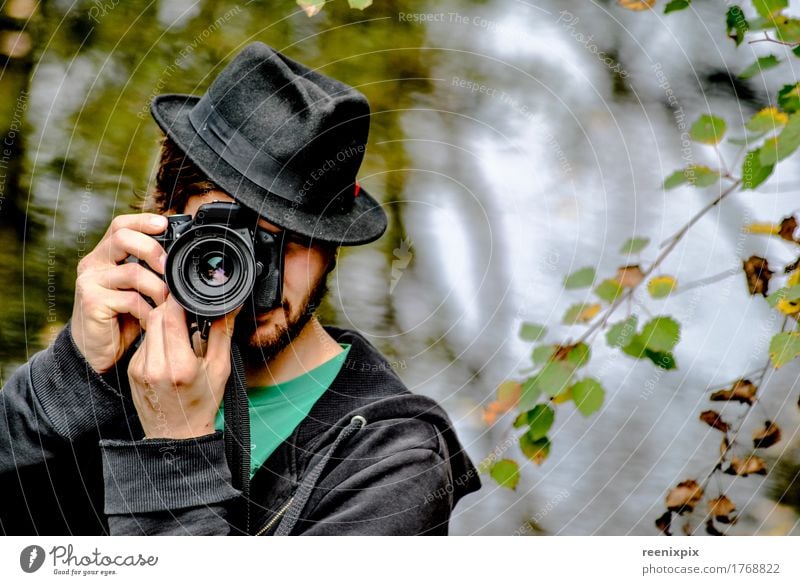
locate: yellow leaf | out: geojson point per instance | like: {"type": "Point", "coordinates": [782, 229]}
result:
{"type": "Point", "coordinates": [794, 278]}
{"type": "Point", "coordinates": [588, 313]}
{"type": "Point", "coordinates": [636, 5]}
{"type": "Point", "coordinates": [565, 396]}
{"type": "Point", "coordinates": [788, 307]}
{"type": "Point", "coordinates": [661, 286]}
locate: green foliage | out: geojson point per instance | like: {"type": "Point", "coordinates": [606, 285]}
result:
{"type": "Point", "coordinates": [761, 64]}
{"type": "Point", "coordinates": [675, 5]}
{"type": "Point", "coordinates": [789, 98]}
{"type": "Point", "coordinates": [661, 334]}
{"type": "Point", "coordinates": [736, 24]}
{"type": "Point", "coordinates": [634, 245]}
{"type": "Point", "coordinates": [580, 313]}
{"type": "Point", "coordinates": [753, 172]}
{"type": "Point", "coordinates": [506, 473]}
{"type": "Point", "coordinates": [696, 175]}
{"type": "Point", "coordinates": [769, 8]}
{"type": "Point", "coordinates": [609, 290]}
{"type": "Point", "coordinates": [708, 130]}
{"type": "Point", "coordinates": [784, 347]}
{"type": "Point", "coordinates": [580, 278]}
{"type": "Point", "coordinates": [785, 144]}
{"type": "Point", "coordinates": [588, 395]}
{"type": "Point", "coordinates": [539, 419]}
{"type": "Point", "coordinates": [536, 450]}
{"type": "Point", "coordinates": [359, 4]}
{"type": "Point", "coordinates": [620, 334]}
{"type": "Point", "coordinates": [532, 331]}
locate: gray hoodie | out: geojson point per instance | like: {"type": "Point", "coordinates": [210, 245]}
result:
{"type": "Point", "coordinates": [370, 458]}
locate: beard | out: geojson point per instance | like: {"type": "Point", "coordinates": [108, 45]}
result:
{"type": "Point", "coordinates": [260, 343]}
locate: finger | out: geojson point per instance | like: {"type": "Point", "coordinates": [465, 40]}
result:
{"type": "Point", "coordinates": [219, 337]}
{"type": "Point", "coordinates": [133, 276]}
{"type": "Point", "coordinates": [147, 223]}
{"type": "Point", "coordinates": [123, 302]}
{"type": "Point", "coordinates": [175, 332]}
{"type": "Point", "coordinates": [126, 242]}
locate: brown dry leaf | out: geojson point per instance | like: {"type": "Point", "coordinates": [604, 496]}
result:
{"type": "Point", "coordinates": [684, 497]}
{"type": "Point", "coordinates": [747, 465]}
{"type": "Point", "coordinates": [508, 394]}
{"type": "Point", "coordinates": [721, 509]}
{"type": "Point", "coordinates": [711, 529]}
{"type": "Point", "coordinates": [724, 446]}
{"type": "Point", "coordinates": [713, 419]}
{"type": "Point", "coordinates": [663, 522]}
{"type": "Point", "coordinates": [766, 437]}
{"type": "Point", "coordinates": [788, 227]}
{"type": "Point", "coordinates": [743, 391]}
{"type": "Point", "coordinates": [636, 5]}
{"type": "Point", "coordinates": [757, 271]}
{"type": "Point", "coordinates": [630, 276]}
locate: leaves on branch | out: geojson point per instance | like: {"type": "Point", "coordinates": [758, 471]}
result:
{"type": "Point", "coordinates": [746, 466]}
{"type": "Point", "coordinates": [588, 395]}
{"type": "Point", "coordinates": [757, 272]}
{"type": "Point", "coordinates": [789, 98]}
{"type": "Point", "coordinates": [777, 149]}
{"type": "Point", "coordinates": [581, 313]}
{"type": "Point", "coordinates": [743, 391]}
{"type": "Point", "coordinates": [753, 171]}
{"type": "Point", "coordinates": [540, 418]}
{"type": "Point", "coordinates": [634, 245]}
{"type": "Point", "coordinates": [696, 175]}
{"type": "Point", "coordinates": [736, 24]}
{"type": "Point", "coordinates": [713, 419]}
{"type": "Point", "coordinates": [609, 290]}
{"type": "Point", "coordinates": [767, 120]}
{"type": "Point", "coordinates": [580, 278]}
{"type": "Point", "coordinates": [532, 331]}
{"type": "Point", "coordinates": [761, 64]}
{"type": "Point", "coordinates": [769, 8]}
{"type": "Point", "coordinates": [708, 129]}
{"type": "Point", "coordinates": [535, 450]}
{"type": "Point", "coordinates": [684, 497]}
{"type": "Point", "coordinates": [675, 5]}
{"type": "Point", "coordinates": [508, 395]}
{"type": "Point", "coordinates": [784, 347]}
{"type": "Point", "coordinates": [766, 437]}
{"type": "Point", "coordinates": [620, 334]}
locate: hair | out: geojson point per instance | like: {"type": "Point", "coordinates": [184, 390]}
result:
{"type": "Point", "coordinates": [178, 179]}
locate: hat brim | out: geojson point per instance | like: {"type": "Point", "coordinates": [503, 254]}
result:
{"type": "Point", "coordinates": [365, 222]}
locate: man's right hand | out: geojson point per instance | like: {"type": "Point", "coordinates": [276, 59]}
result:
{"type": "Point", "coordinates": [109, 301]}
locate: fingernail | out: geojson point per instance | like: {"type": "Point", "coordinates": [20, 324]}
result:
{"type": "Point", "coordinates": [162, 261]}
{"type": "Point", "coordinates": [158, 221]}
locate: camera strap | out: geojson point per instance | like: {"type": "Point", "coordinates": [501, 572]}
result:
{"type": "Point", "coordinates": [237, 438]}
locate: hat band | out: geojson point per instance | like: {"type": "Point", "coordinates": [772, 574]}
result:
{"type": "Point", "coordinates": [236, 150]}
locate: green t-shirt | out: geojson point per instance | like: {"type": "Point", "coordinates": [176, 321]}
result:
{"type": "Point", "coordinates": [275, 411]}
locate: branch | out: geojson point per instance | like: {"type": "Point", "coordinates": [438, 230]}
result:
{"type": "Point", "coordinates": [769, 39]}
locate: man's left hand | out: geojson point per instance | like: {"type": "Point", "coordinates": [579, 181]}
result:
{"type": "Point", "coordinates": [177, 390]}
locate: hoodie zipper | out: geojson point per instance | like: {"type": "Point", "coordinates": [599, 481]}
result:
{"type": "Point", "coordinates": [275, 518]}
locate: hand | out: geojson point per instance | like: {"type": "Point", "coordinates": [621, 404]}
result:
{"type": "Point", "coordinates": [109, 305]}
{"type": "Point", "coordinates": [177, 391]}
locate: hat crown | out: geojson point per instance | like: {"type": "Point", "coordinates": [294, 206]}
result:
{"type": "Point", "coordinates": [313, 124]}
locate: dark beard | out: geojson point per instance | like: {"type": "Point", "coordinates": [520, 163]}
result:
{"type": "Point", "coordinates": [255, 352]}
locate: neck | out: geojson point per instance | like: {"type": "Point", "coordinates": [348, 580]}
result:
{"type": "Point", "coordinates": [312, 348]}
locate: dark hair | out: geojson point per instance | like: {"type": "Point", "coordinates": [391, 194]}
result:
{"type": "Point", "coordinates": [178, 179]}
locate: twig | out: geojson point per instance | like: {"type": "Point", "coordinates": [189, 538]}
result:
{"type": "Point", "coordinates": [769, 39]}
{"type": "Point", "coordinates": [657, 262]}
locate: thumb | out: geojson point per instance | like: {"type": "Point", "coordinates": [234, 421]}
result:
{"type": "Point", "coordinates": [220, 335]}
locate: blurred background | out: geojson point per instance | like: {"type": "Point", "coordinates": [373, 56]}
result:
{"type": "Point", "coordinates": [511, 143]}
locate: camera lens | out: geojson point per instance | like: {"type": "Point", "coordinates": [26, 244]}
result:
{"type": "Point", "coordinates": [212, 269]}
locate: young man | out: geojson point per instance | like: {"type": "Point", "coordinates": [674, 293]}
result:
{"type": "Point", "coordinates": [118, 427]}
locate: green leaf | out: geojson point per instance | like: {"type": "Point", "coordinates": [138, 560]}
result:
{"type": "Point", "coordinates": [662, 359]}
{"type": "Point", "coordinates": [580, 278]}
{"type": "Point", "coordinates": [634, 245]}
{"type": "Point", "coordinates": [554, 378]}
{"type": "Point", "coordinates": [609, 290]}
{"type": "Point", "coordinates": [769, 8]}
{"type": "Point", "coordinates": [530, 393]}
{"type": "Point", "coordinates": [753, 172]}
{"type": "Point", "coordinates": [789, 98]}
{"type": "Point", "coordinates": [532, 331]}
{"type": "Point", "coordinates": [708, 129]}
{"type": "Point", "coordinates": [540, 418]}
{"type": "Point", "coordinates": [581, 313]}
{"type": "Point", "coordinates": [696, 175]}
{"type": "Point", "coordinates": [736, 24]}
{"type": "Point", "coordinates": [620, 334]}
{"type": "Point", "coordinates": [506, 473]}
{"type": "Point", "coordinates": [784, 347]}
{"type": "Point", "coordinates": [359, 4]}
{"type": "Point", "coordinates": [788, 30]}
{"type": "Point", "coordinates": [588, 395]}
{"type": "Point", "coordinates": [785, 144]}
{"type": "Point", "coordinates": [790, 294]}
{"type": "Point", "coordinates": [767, 120]}
{"type": "Point", "coordinates": [661, 334]}
{"type": "Point", "coordinates": [762, 64]}
{"type": "Point", "coordinates": [542, 353]}
{"type": "Point", "coordinates": [661, 286]}
{"type": "Point", "coordinates": [579, 355]}
{"type": "Point", "coordinates": [521, 420]}
{"type": "Point", "coordinates": [535, 450]}
{"type": "Point", "coordinates": [675, 5]}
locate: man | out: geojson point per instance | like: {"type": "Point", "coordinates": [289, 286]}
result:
{"type": "Point", "coordinates": [118, 427]}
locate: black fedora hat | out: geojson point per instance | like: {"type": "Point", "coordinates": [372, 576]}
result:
{"type": "Point", "coordinates": [284, 141]}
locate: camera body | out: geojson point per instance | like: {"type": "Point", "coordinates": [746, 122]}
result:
{"type": "Point", "coordinates": [220, 259]}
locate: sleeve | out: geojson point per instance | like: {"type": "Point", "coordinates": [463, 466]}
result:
{"type": "Point", "coordinates": [47, 406]}
{"type": "Point", "coordinates": [167, 486]}
{"type": "Point", "coordinates": [393, 479]}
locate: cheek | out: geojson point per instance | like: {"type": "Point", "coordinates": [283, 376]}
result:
{"type": "Point", "coordinates": [301, 269]}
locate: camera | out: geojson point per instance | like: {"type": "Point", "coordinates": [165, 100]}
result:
{"type": "Point", "coordinates": [220, 259]}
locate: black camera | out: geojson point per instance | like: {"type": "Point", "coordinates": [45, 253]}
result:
{"type": "Point", "coordinates": [218, 260]}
